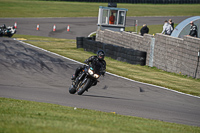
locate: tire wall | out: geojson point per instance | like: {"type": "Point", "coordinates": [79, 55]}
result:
{"type": "Point", "coordinates": [119, 53]}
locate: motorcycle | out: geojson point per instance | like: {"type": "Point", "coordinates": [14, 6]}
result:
{"type": "Point", "coordinates": [7, 31]}
{"type": "Point", "coordinates": [86, 78]}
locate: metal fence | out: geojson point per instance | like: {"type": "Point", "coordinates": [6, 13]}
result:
{"type": "Point", "coordinates": [139, 1]}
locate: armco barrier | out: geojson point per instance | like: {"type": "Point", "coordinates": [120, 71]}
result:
{"type": "Point", "coordinates": [116, 52]}
{"type": "Point", "coordinates": [140, 1]}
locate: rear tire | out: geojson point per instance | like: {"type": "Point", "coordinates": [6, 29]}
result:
{"type": "Point", "coordinates": [85, 87]}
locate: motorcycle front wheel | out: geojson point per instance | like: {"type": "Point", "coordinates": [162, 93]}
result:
{"type": "Point", "coordinates": [85, 87]}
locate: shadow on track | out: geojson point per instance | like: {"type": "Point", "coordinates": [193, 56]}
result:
{"type": "Point", "coordinates": [106, 97]}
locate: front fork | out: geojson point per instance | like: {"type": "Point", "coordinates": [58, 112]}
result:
{"type": "Point", "coordinates": [83, 82]}
{"type": "Point", "coordinates": [78, 80]}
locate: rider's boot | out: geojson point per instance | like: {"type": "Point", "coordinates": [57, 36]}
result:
{"type": "Point", "coordinates": [76, 73]}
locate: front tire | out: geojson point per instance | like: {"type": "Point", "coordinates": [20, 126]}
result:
{"type": "Point", "coordinates": [85, 87]}
{"type": "Point", "coordinates": [72, 90]}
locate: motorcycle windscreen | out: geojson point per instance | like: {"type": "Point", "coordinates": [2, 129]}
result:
{"type": "Point", "coordinates": [97, 66]}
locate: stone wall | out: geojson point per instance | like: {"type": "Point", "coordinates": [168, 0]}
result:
{"type": "Point", "coordinates": [170, 54]}
{"type": "Point", "coordinates": [177, 55]}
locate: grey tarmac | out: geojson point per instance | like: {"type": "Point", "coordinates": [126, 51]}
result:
{"type": "Point", "coordinates": [79, 27]}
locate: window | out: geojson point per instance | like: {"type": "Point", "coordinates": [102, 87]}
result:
{"type": "Point", "coordinates": [121, 17]}
{"type": "Point", "coordinates": [105, 17]}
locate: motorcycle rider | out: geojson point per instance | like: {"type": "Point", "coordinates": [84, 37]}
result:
{"type": "Point", "coordinates": [97, 62]}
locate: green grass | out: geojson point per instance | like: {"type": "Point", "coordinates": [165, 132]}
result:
{"type": "Point", "coordinates": [18, 116]}
{"type": "Point", "coordinates": [145, 74]}
{"type": "Point", "coordinates": [35, 8]}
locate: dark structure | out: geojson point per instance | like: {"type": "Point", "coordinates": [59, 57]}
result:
{"type": "Point", "coordinates": [116, 52]}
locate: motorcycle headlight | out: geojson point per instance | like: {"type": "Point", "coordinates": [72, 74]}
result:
{"type": "Point", "coordinates": [90, 72]}
{"type": "Point", "coordinates": [96, 75]}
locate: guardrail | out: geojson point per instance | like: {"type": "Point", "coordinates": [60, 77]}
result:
{"type": "Point", "coordinates": [139, 1]}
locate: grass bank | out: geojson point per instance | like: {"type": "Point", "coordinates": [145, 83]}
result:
{"type": "Point", "coordinates": [145, 74]}
{"type": "Point", "coordinates": [36, 8]}
{"type": "Point", "coordinates": [18, 116]}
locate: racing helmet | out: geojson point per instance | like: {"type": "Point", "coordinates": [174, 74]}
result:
{"type": "Point", "coordinates": [101, 54]}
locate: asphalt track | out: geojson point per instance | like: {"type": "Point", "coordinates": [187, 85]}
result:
{"type": "Point", "coordinates": [29, 73]}
{"type": "Point", "coordinates": [32, 74]}
{"type": "Point", "coordinates": [79, 27]}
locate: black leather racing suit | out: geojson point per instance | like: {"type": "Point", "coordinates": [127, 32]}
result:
{"type": "Point", "coordinates": [95, 62]}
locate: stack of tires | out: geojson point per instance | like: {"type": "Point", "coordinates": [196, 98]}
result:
{"type": "Point", "coordinates": [136, 57]}
{"type": "Point", "coordinates": [116, 52]}
{"type": "Point", "coordinates": [79, 42]}
{"type": "Point", "coordinates": [89, 45]}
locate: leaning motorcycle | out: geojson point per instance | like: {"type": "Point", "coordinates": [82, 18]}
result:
{"type": "Point", "coordinates": [9, 31]}
{"type": "Point", "coordinates": [86, 78]}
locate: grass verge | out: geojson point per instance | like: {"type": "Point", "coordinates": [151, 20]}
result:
{"type": "Point", "coordinates": [18, 116]}
{"type": "Point", "coordinates": [36, 8]}
{"type": "Point", "coordinates": [145, 74]}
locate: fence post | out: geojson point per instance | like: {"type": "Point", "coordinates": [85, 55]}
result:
{"type": "Point", "coordinates": [197, 65]}
{"type": "Point", "coordinates": [151, 52]}
{"type": "Point", "coordinates": [136, 25]}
